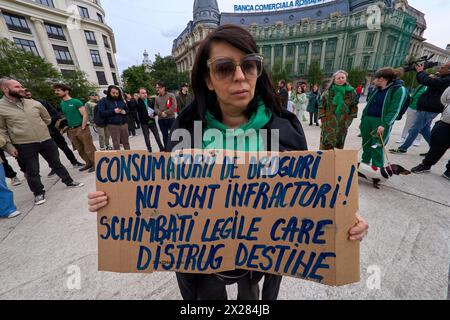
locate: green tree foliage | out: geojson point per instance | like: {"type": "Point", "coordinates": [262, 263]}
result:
{"type": "Point", "coordinates": [315, 74]}
{"type": "Point", "coordinates": [38, 75]}
{"type": "Point", "coordinates": [164, 69]}
{"type": "Point", "coordinates": [357, 76]}
{"type": "Point", "coordinates": [81, 88]}
{"type": "Point", "coordinates": [279, 73]}
{"type": "Point", "coordinates": [136, 77]}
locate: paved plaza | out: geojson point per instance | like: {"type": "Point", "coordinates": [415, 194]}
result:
{"type": "Point", "coordinates": [407, 249]}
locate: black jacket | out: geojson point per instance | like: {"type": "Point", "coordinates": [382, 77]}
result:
{"type": "Point", "coordinates": [430, 101]}
{"type": "Point", "coordinates": [132, 106]}
{"type": "Point", "coordinates": [53, 113]}
{"type": "Point", "coordinates": [106, 109]}
{"type": "Point", "coordinates": [183, 101]}
{"type": "Point", "coordinates": [144, 118]}
{"type": "Point", "coordinates": [292, 137]}
{"type": "Point", "coordinates": [98, 119]}
{"type": "Point", "coordinates": [284, 96]}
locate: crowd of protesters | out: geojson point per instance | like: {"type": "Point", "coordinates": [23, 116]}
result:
{"type": "Point", "coordinates": [29, 127]}
{"type": "Point", "coordinates": [388, 101]}
{"type": "Point", "coordinates": [225, 97]}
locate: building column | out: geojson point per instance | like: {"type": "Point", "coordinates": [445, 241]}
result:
{"type": "Point", "coordinates": [308, 63]}
{"type": "Point", "coordinates": [47, 49]}
{"type": "Point", "coordinates": [296, 58]}
{"type": "Point", "coordinates": [322, 57]}
{"type": "Point", "coordinates": [284, 56]}
{"type": "Point", "coordinates": [272, 56]}
{"type": "Point", "coordinates": [375, 62]}
{"type": "Point", "coordinates": [339, 53]}
{"type": "Point", "coordinates": [344, 51]}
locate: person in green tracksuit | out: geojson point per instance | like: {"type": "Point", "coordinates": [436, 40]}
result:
{"type": "Point", "coordinates": [382, 110]}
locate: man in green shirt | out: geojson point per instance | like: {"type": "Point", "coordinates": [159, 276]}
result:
{"type": "Point", "coordinates": [77, 119]}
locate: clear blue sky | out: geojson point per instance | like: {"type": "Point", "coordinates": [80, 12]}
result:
{"type": "Point", "coordinates": [153, 25]}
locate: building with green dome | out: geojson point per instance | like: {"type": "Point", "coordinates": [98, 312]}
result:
{"type": "Point", "coordinates": [340, 34]}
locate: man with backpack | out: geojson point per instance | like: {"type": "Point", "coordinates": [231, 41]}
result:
{"type": "Point", "coordinates": [383, 109]}
{"type": "Point", "coordinates": [429, 105]}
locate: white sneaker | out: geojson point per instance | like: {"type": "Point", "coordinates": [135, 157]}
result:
{"type": "Point", "coordinates": [14, 214]}
{"type": "Point", "coordinates": [15, 182]}
{"type": "Point", "coordinates": [416, 143]}
{"type": "Point", "coordinates": [39, 200]}
{"type": "Point", "coordinates": [401, 141]}
{"type": "Point", "coordinates": [75, 185]}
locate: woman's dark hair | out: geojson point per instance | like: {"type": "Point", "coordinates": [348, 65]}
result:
{"type": "Point", "coordinates": [111, 88]}
{"type": "Point", "coordinates": [300, 87]}
{"type": "Point", "coordinates": [387, 73]}
{"type": "Point", "coordinates": [205, 99]}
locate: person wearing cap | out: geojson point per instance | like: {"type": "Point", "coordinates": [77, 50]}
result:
{"type": "Point", "coordinates": [98, 122]}
{"type": "Point", "coordinates": [184, 98]}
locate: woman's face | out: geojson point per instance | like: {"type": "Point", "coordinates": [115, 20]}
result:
{"type": "Point", "coordinates": [235, 93]}
{"type": "Point", "coordinates": [289, 86]}
{"type": "Point", "coordinates": [340, 79]}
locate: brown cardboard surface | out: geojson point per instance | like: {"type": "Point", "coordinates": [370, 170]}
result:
{"type": "Point", "coordinates": [297, 255]}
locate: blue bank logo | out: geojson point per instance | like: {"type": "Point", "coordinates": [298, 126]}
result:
{"type": "Point", "coordinates": [284, 5]}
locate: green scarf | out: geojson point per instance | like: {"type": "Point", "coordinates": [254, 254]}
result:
{"type": "Point", "coordinates": [339, 94]}
{"type": "Point", "coordinates": [231, 137]}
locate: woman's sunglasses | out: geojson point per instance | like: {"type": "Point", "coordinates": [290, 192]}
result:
{"type": "Point", "coordinates": [224, 68]}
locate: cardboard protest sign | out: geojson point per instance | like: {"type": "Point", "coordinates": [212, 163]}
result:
{"type": "Point", "coordinates": [287, 214]}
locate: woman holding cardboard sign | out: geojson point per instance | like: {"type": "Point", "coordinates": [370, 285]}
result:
{"type": "Point", "coordinates": [233, 91]}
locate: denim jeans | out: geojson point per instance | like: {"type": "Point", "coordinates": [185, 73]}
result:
{"type": "Point", "coordinates": [422, 125]}
{"type": "Point", "coordinates": [7, 205]}
{"type": "Point", "coordinates": [165, 125]}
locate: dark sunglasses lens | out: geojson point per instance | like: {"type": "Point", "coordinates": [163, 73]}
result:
{"type": "Point", "coordinates": [252, 66]}
{"type": "Point", "coordinates": [223, 68]}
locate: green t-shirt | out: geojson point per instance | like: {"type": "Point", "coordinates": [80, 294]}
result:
{"type": "Point", "coordinates": [415, 97]}
{"type": "Point", "coordinates": [70, 108]}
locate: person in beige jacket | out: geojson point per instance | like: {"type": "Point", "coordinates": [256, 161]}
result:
{"type": "Point", "coordinates": [23, 127]}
